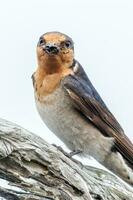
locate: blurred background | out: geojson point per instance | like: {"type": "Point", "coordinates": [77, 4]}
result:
{"type": "Point", "coordinates": [103, 35]}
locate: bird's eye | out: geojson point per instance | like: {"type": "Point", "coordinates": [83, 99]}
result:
{"type": "Point", "coordinates": [41, 41]}
{"type": "Point", "coordinates": [67, 44]}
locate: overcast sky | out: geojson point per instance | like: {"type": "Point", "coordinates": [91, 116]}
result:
{"type": "Point", "coordinates": [103, 36]}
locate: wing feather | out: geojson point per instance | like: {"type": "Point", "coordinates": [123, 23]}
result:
{"type": "Point", "coordinates": [83, 96]}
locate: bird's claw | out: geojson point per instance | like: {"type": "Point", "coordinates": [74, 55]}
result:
{"type": "Point", "coordinates": [70, 155]}
{"type": "Point", "coordinates": [75, 152]}
{"type": "Point", "coordinates": [61, 150]}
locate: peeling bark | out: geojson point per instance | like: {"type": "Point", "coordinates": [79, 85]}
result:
{"type": "Point", "coordinates": [32, 169]}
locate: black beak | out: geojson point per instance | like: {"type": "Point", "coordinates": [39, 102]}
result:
{"type": "Point", "coordinates": [51, 49]}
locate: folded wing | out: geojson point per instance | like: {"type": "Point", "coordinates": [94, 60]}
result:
{"type": "Point", "coordinates": [86, 99]}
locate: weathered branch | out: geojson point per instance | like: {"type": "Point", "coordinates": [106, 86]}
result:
{"type": "Point", "coordinates": [30, 168]}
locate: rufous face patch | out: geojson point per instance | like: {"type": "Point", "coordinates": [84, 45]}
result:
{"type": "Point", "coordinates": [63, 46]}
{"type": "Point", "coordinates": [52, 67]}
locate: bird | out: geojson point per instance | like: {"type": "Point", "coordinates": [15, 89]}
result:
{"type": "Point", "coordinates": [72, 109]}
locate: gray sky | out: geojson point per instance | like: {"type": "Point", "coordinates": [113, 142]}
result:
{"type": "Point", "coordinates": [103, 36]}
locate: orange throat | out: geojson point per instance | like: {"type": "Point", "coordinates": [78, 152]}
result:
{"type": "Point", "coordinates": [47, 79]}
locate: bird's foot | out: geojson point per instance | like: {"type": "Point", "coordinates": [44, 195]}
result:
{"type": "Point", "coordinates": [75, 152]}
{"type": "Point", "coordinates": [61, 150]}
{"type": "Point", "coordinates": [70, 155]}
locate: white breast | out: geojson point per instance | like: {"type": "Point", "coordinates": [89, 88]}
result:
{"type": "Point", "coordinates": [57, 112]}
{"type": "Point", "coordinates": [70, 126]}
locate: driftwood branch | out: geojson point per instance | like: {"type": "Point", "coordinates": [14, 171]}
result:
{"type": "Point", "coordinates": [30, 168]}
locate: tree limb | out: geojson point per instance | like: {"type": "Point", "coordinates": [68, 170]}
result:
{"type": "Point", "coordinates": [32, 169]}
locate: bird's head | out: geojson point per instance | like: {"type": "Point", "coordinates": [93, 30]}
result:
{"type": "Point", "coordinates": [55, 49]}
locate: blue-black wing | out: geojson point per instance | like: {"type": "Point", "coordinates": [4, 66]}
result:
{"type": "Point", "coordinates": [86, 99]}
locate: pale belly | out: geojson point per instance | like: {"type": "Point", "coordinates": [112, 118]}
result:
{"type": "Point", "coordinates": [71, 127]}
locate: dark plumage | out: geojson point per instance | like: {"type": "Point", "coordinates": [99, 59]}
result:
{"type": "Point", "coordinates": [88, 101]}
